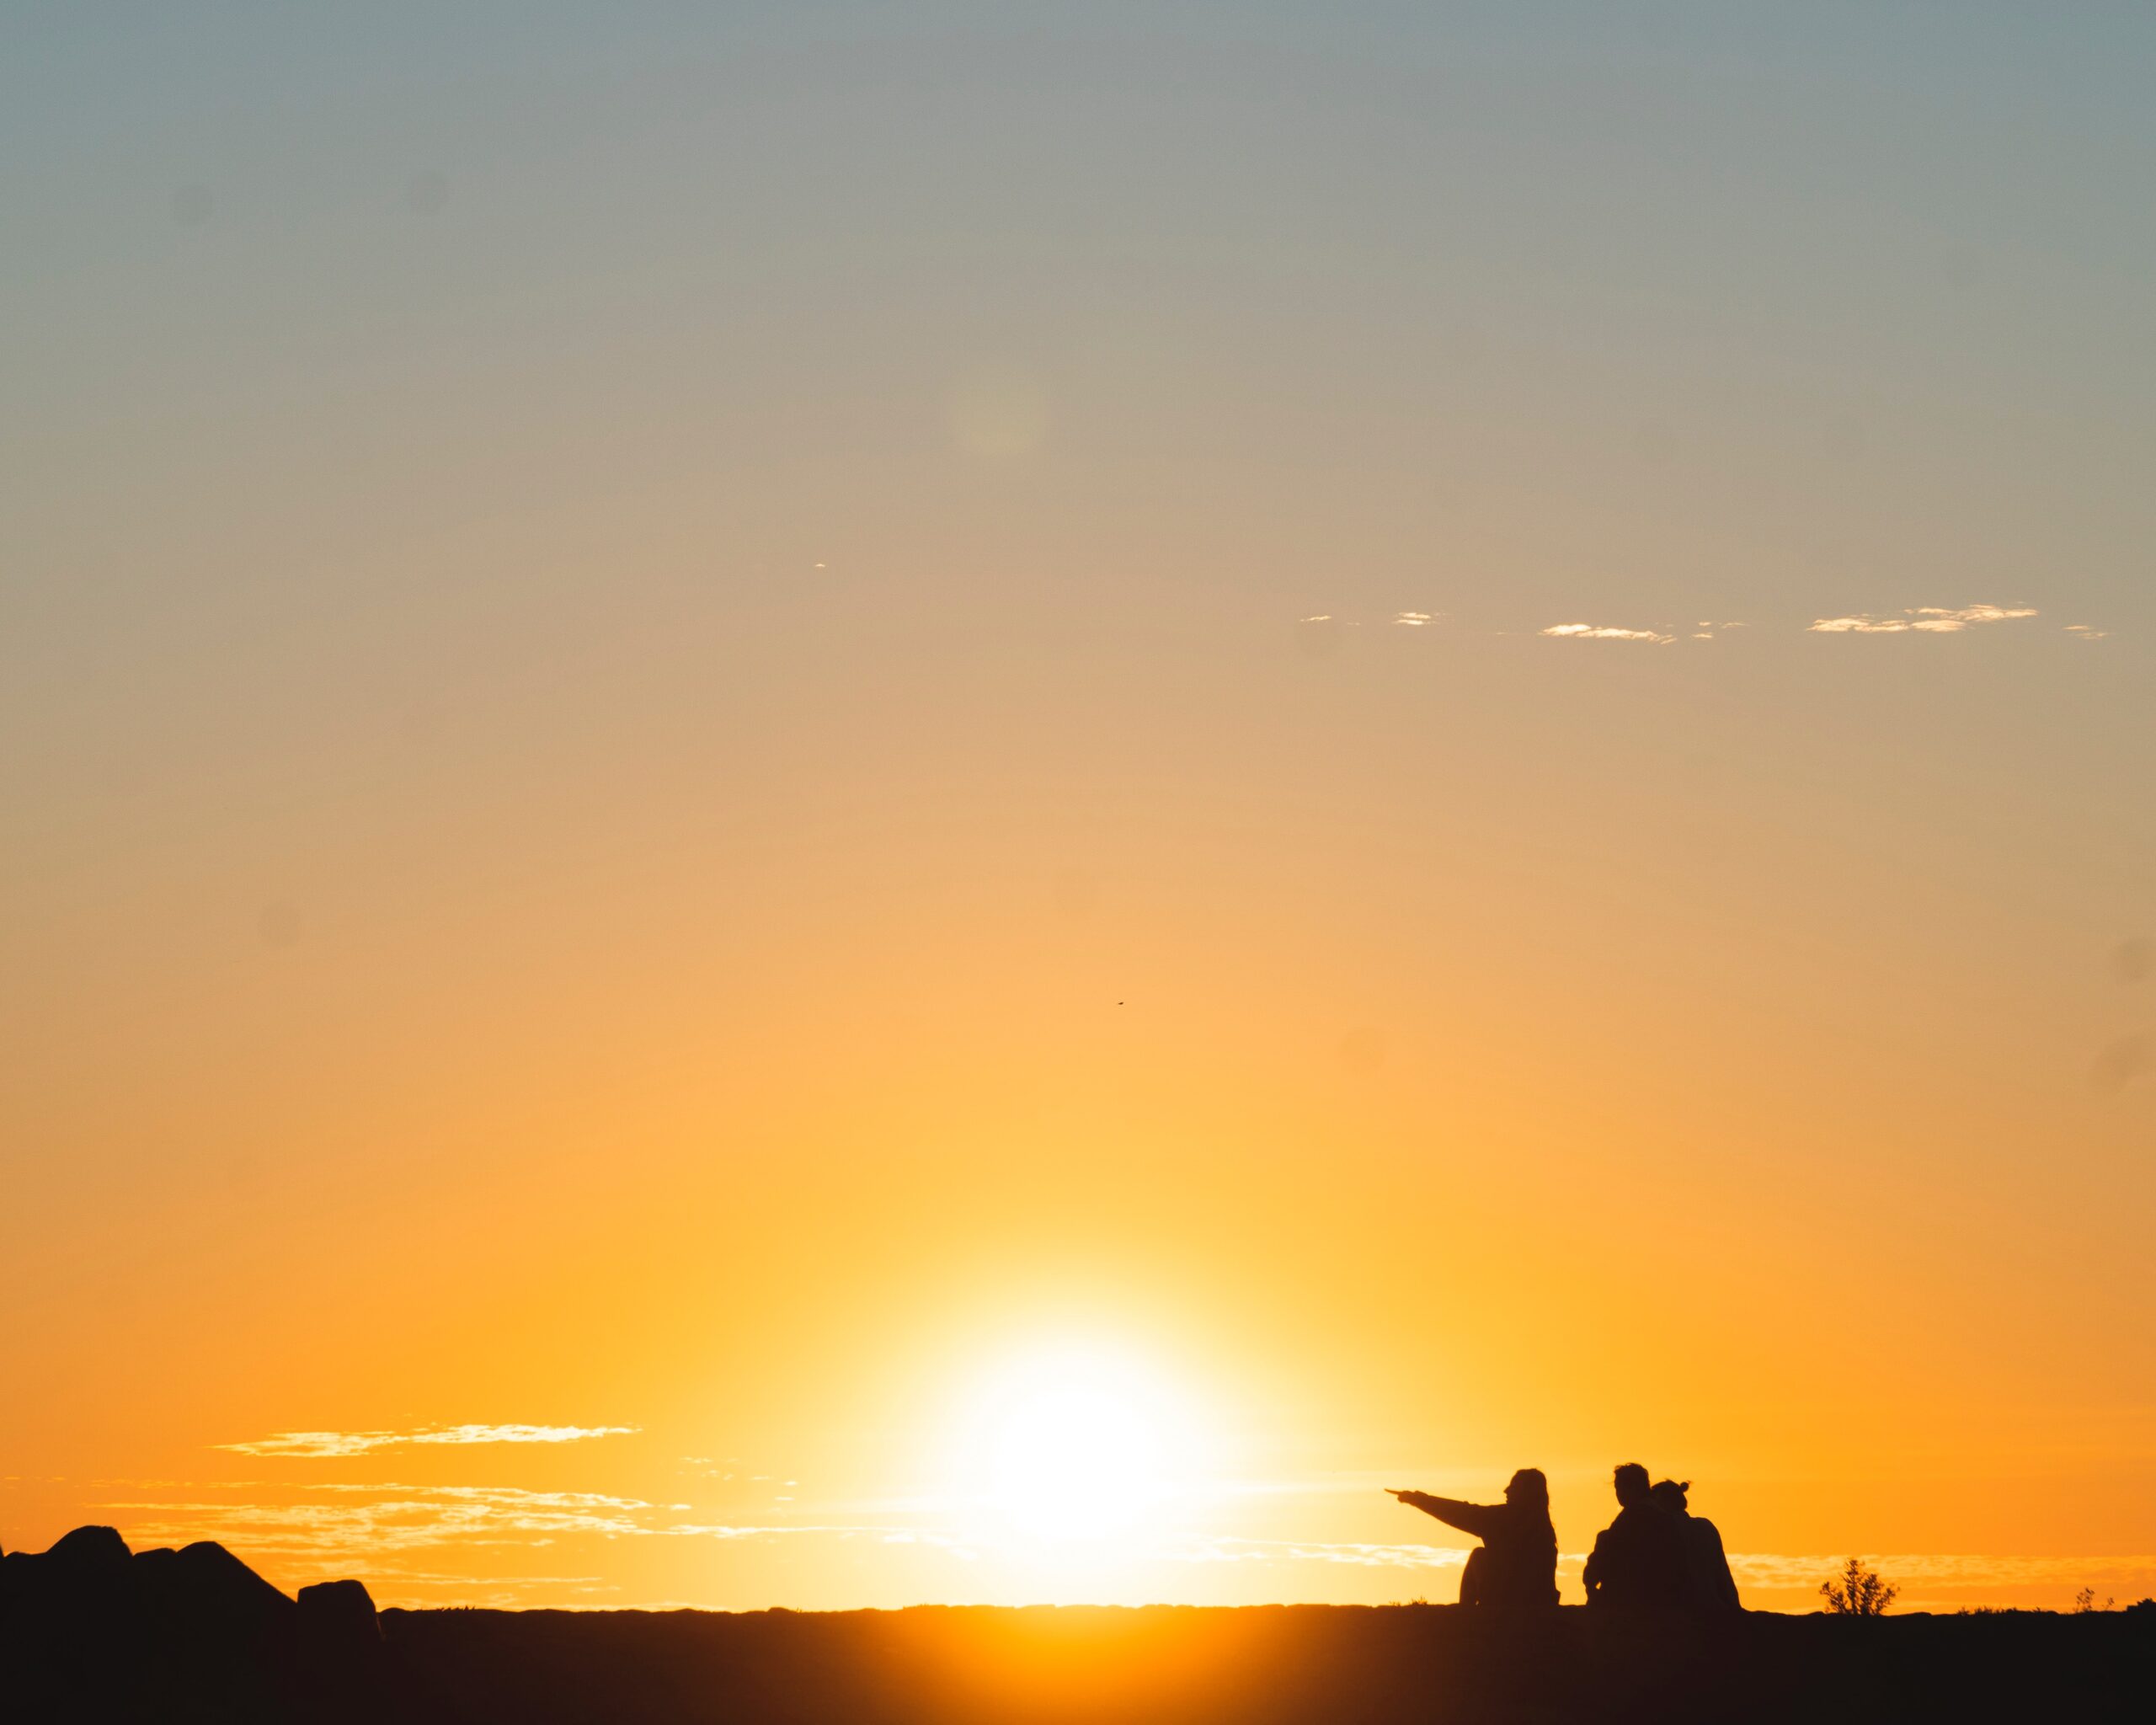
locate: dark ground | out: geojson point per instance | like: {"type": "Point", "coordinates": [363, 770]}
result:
{"type": "Point", "coordinates": [90, 1632]}
{"type": "Point", "coordinates": [1254, 1666]}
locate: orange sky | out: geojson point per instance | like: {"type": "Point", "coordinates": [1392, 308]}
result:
{"type": "Point", "coordinates": [722, 740]}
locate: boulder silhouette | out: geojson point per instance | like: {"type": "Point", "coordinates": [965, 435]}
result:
{"type": "Point", "coordinates": [343, 1662]}
{"type": "Point", "coordinates": [342, 1612]}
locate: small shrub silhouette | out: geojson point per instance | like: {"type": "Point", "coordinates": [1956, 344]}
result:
{"type": "Point", "coordinates": [2086, 1600]}
{"type": "Point", "coordinates": [1857, 1592]}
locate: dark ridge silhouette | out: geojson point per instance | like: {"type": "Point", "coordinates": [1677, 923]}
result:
{"type": "Point", "coordinates": [88, 1633]}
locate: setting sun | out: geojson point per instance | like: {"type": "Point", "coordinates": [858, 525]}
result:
{"type": "Point", "coordinates": [1074, 1446]}
{"type": "Point", "coordinates": [1074, 1462]}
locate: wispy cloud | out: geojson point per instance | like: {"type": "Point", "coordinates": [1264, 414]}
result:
{"type": "Point", "coordinates": [330, 1523]}
{"type": "Point", "coordinates": [400, 1534]}
{"type": "Point", "coordinates": [1948, 1577]}
{"type": "Point", "coordinates": [1596, 632]}
{"type": "Point", "coordinates": [327, 1445]}
{"type": "Point", "coordinates": [1922, 620]}
{"type": "Point", "coordinates": [350, 1528]}
{"type": "Point", "coordinates": [1320, 633]}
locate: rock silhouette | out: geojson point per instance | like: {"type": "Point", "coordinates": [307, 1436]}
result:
{"type": "Point", "coordinates": [89, 1633]}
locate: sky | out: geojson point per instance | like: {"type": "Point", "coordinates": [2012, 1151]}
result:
{"type": "Point", "coordinates": [838, 805]}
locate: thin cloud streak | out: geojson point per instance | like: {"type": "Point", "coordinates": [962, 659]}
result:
{"type": "Point", "coordinates": [1319, 630]}
{"type": "Point", "coordinates": [347, 1528]}
{"type": "Point", "coordinates": [1591, 632]}
{"type": "Point", "coordinates": [1923, 620]}
{"type": "Point", "coordinates": [1226, 1549]}
{"type": "Point", "coordinates": [330, 1445]}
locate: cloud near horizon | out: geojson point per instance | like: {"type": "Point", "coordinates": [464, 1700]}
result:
{"type": "Point", "coordinates": [376, 1530]}
{"type": "Point", "coordinates": [400, 1535]}
{"type": "Point", "coordinates": [330, 1446]}
{"type": "Point", "coordinates": [1923, 620]}
{"type": "Point", "coordinates": [1942, 1576]}
{"type": "Point", "coordinates": [1949, 1575]}
{"type": "Point", "coordinates": [1228, 1549]}
{"type": "Point", "coordinates": [351, 1532]}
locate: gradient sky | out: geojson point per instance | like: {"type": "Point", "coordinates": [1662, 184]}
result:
{"type": "Point", "coordinates": [720, 726]}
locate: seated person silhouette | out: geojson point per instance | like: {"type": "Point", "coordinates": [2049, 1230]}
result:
{"type": "Point", "coordinates": [1707, 1583]}
{"type": "Point", "coordinates": [1516, 1564]}
{"type": "Point", "coordinates": [1638, 1559]}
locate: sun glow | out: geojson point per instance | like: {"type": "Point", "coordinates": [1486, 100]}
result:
{"type": "Point", "coordinates": [1075, 1447]}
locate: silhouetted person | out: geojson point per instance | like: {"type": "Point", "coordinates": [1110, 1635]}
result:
{"type": "Point", "coordinates": [1639, 1558]}
{"type": "Point", "coordinates": [1708, 1584]}
{"type": "Point", "coordinates": [1517, 1563]}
